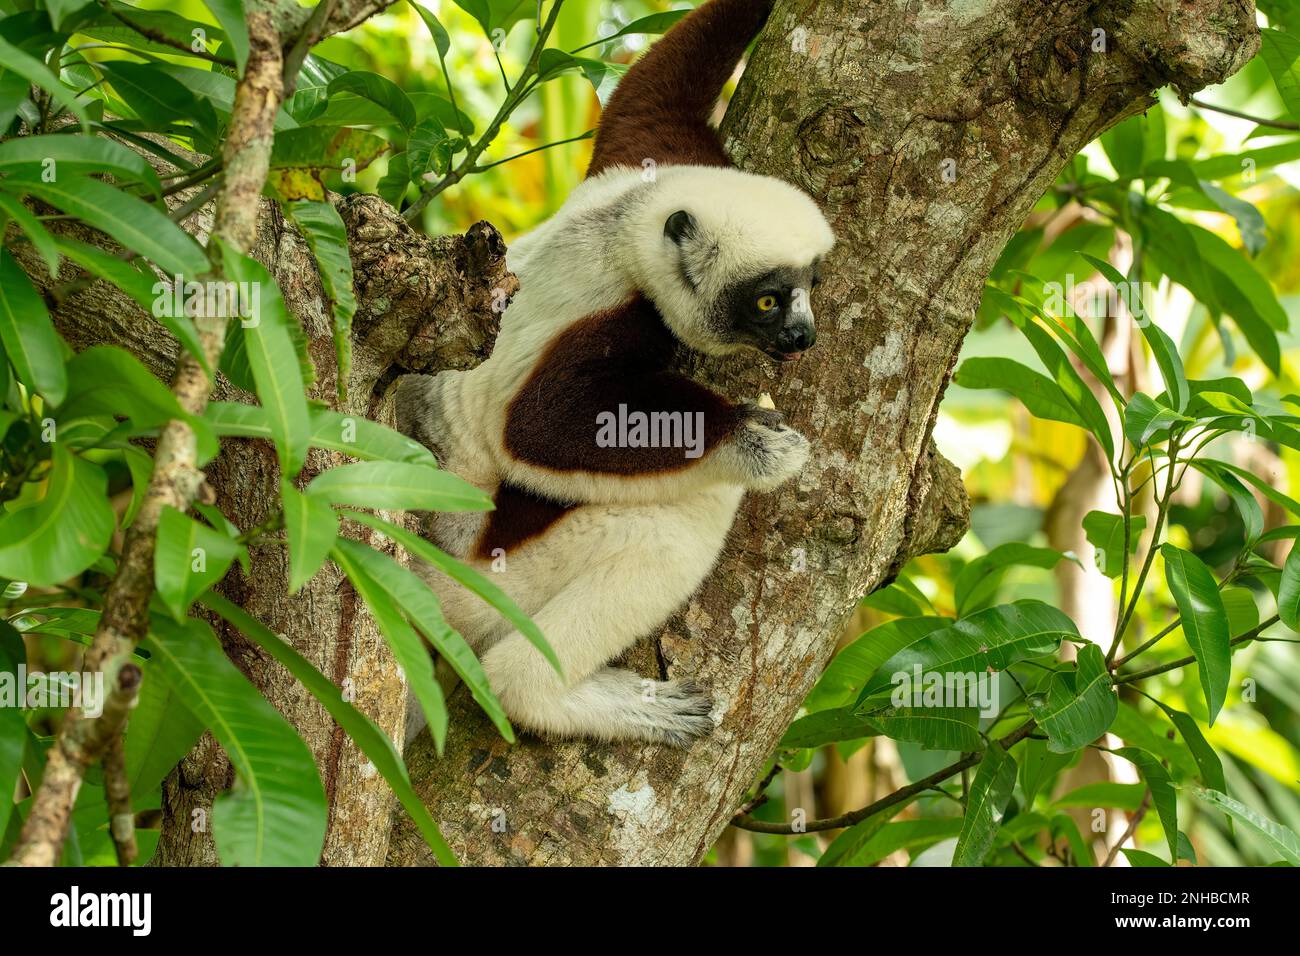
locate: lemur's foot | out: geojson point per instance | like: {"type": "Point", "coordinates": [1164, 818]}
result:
{"type": "Point", "coordinates": [773, 452]}
{"type": "Point", "coordinates": [677, 712]}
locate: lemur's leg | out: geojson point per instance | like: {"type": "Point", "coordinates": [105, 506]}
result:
{"type": "Point", "coordinates": [643, 567]}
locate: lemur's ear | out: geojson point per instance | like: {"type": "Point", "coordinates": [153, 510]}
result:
{"type": "Point", "coordinates": [680, 226]}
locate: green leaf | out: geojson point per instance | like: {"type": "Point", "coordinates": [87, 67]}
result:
{"type": "Point", "coordinates": [1124, 144]}
{"type": "Point", "coordinates": [399, 486]}
{"type": "Point", "coordinates": [230, 14]}
{"type": "Point", "coordinates": [1079, 707]}
{"type": "Point", "coordinates": [1281, 54]}
{"type": "Point", "coordinates": [37, 234]}
{"type": "Point", "coordinates": [651, 25]}
{"type": "Point", "coordinates": [465, 576]}
{"type": "Point", "coordinates": [901, 835]}
{"type": "Point", "coordinates": [276, 813]}
{"type": "Point", "coordinates": [370, 740]}
{"type": "Point", "coordinates": [1250, 222]}
{"type": "Point", "coordinates": [1146, 421]}
{"type": "Point", "coordinates": [1247, 505]}
{"type": "Point", "coordinates": [1162, 793]}
{"type": "Point", "coordinates": [1105, 532]}
{"type": "Point", "coordinates": [1204, 621]}
{"type": "Point", "coordinates": [36, 73]}
{"type": "Point", "coordinates": [64, 532]}
{"type": "Point", "coordinates": [1284, 502]}
{"type": "Point", "coordinates": [273, 359]}
{"type": "Point", "coordinates": [1125, 796]}
{"type": "Point", "coordinates": [853, 665]}
{"type": "Point", "coordinates": [1235, 164]}
{"type": "Point", "coordinates": [418, 602]}
{"type": "Point", "coordinates": [134, 223]}
{"type": "Point", "coordinates": [379, 90]}
{"type": "Point", "coordinates": [157, 98]}
{"type": "Point", "coordinates": [992, 639]}
{"type": "Point", "coordinates": [854, 840]}
{"type": "Point", "coordinates": [357, 562]}
{"type": "Point", "coordinates": [436, 30]}
{"type": "Point", "coordinates": [1142, 858]}
{"type": "Point", "coordinates": [13, 726]}
{"type": "Point", "coordinates": [109, 381]}
{"type": "Point", "coordinates": [1071, 384]}
{"type": "Point", "coordinates": [1243, 612]}
{"type": "Point", "coordinates": [162, 730]}
{"type": "Point", "coordinates": [327, 238]}
{"type": "Point", "coordinates": [1288, 591]}
{"type": "Point", "coordinates": [312, 527]}
{"type": "Point", "coordinates": [1281, 838]}
{"type": "Point", "coordinates": [1218, 275]}
{"type": "Point", "coordinates": [190, 558]}
{"type": "Point", "coordinates": [301, 158]}
{"type": "Point", "coordinates": [498, 14]}
{"type": "Point", "coordinates": [978, 582]}
{"type": "Point", "coordinates": [990, 792]}
{"type": "Point", "coordinates": [828, 726]}
{"type": "Point", "coordinates": [603, 76]}
{"type": "Point", "coordinates": [1038, 766]}
{"type": "Point", "coordinates": [1036, 391]}
{"type": "Point", "coordinates": [393, 184]}
{"type": "Point", "coordinates": [1162, 346]}
{"type": "Point", "coordinates": [27, 333]}
{"type": "Point", "coordinates": [350, 435]}
{"type": "Point", "coordinates": [1207, 761]}
{"type": "Point", "coordinates": [933, 728]}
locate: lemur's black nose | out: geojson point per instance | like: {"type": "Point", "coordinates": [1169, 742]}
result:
{"type": "Point", "coordinates": [797, 337]}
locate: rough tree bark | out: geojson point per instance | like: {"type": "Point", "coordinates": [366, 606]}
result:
{"type": "Point", "coordinates": [926, 131]}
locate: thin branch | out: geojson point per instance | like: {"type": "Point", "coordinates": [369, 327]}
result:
{"type": "Point", "coordinates": [536, 149]}
{"type": "Point", "coordinates": [1130, 829]}
{"type": "Point", "coordinates": [312, 32]}
{"type": "Point", "coordinates": [760, 792]}
{"type": "Point", "coordinates": [121, 815]}
{"type": "Point", "coordinates": [1162, 512]}
{"type": "Point", "coordinates": [513, 99]}
{"type": "Point", "coordinates": [902, 795]}
{"type": "Point", "coordinates": [194, 203]}
{"type": "Point", "coordinates": [1251, 635]}
{"type": "Point", "coordinates": [1275, 124]}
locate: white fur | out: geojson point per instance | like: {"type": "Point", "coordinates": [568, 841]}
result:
{"type": "Point", "coordinates": [615, 568]}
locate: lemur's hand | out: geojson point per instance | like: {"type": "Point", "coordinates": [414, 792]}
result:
{"type": "Point", "coordinates": [770, 452]}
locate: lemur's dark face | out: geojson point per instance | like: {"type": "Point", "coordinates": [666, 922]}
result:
{"type": "Point", "coordinates": [733, 300]}
{"type": "Point", "coordinates": [772, 312]}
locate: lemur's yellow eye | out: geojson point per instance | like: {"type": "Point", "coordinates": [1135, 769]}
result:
{"type": "Point", "coordinates": [766, 303]}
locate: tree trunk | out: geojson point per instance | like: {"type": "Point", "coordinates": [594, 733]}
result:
{"type": "Point", "coordinates": [926, 131]}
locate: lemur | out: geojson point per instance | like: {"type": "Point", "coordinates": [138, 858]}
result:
{"type": "Point", "coordinates": [665, 244]}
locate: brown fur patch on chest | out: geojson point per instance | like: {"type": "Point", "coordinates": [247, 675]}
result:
{"type": "Point", "coordinates": [520, 516]}
{"type": "Point", "coordinates": [614, 364]}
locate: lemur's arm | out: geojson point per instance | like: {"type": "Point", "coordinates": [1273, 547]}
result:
{"type": "Point", "coordinates": [564, 434]}
{"type": "Point", "coordinates": [660, 110]}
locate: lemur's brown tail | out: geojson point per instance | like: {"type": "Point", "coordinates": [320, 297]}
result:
{"type": "Point", "coordinates": [660, 110]}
